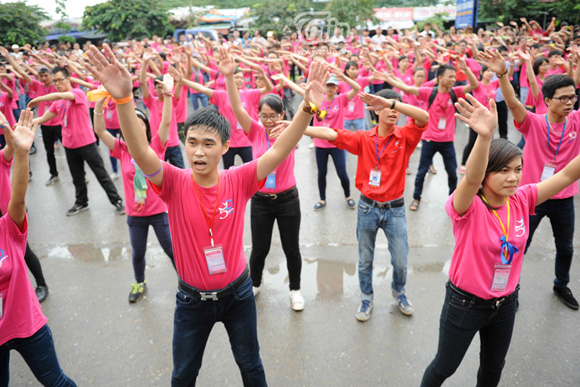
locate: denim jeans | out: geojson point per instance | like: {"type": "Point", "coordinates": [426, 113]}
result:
{"type": "Point", "coordinates": [39, 353]}
{"type": "Point", "coordinates": [245, 154]}
{"type": "Point", "coordinates": [524, 91]}
{"type": "Point", "coordinates": [461, 319]}
{"type": "Point", "coordinates": [285, 211]}
{"type": "Point", "coordinates": [138, 230]}
{"type": "Point", "coordinates": [561, 215]}
{"type": "Point", "coordinates": [193, 322]}
{"type": "Point", "coordinates": [339, 159]}
{"type": "Point", "coordinates": [358, 124]}
{"type": "Point", "coordinates": [394, 224]}
{"type": "Point", "coordinates": [115, 133]}
{"type": "Point", "coordinates": [174, 157]}
{"type": "Point", "coordinates": [428, 150]}
{"type": "Point", "coordinates": [197, 99]}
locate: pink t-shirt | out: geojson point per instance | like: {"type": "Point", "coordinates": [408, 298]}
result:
{"type": "Point", "coordinates": [77, 130]}
{"type": "Point", "coordinates": [523, 78]}
{"type": "Point", "coordinates": [285, 178]}
{"type": "Point", "coordinates": [483, 93]}
{"type": "Point", "coordinates": [153, 204]}
{"type": "Point", "coordinates": [537, 102]}
{"type": "Point", "coordinates": [111, 118]}
{"type": "Point", "coordinates": [356, 108]}
{"type": "Point", "coordinates": [155, 107]}
{"type": "Point", "coordinates": [189, 227]}
{"type": "Point", "coordinates": [38, 89]}
{"type": "Point", "coordinates": [22, 314]}
{"type": "Point", "coordinates": [441, 114]}
{"type": "Point", "coordinates": [5, 184]}
{"type": "Point", "coordinates": [180, 106]}
{"type": "Point", "coordinates": [414, 100]}
{"type": "Point", "coordinates": [249, 97]}
{"type": "Point", "coordinates": [557, 70]}
{"type": "Point", "coordinates": [537, 153]}
{"type": "Point", "coordinates": [478, 246]}
{"type": "Point", "coordinates": [6, 109]}
{"type": "Point", "coordinates": [334, 117]}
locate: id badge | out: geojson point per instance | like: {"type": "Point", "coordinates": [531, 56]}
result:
{"type": "Point", "coordinates": [375, 178]}
{"type": "Point", "coordinates": [351, 106]}
{"type": "Point", "coordinates": [548, 171]}
{"type": "Point", "coordinates": [500, 278]}
{"type": "Point", "coordinates": [215, 259]}
{"type": "Point", "coordinates": [109, 115]}
{"type": "Point", "coordinates": [1, 305]}
{"type": "Point", "coordinates": [271, 181]}
{"type": "Point", "coordinates": [65, 121]}
{"type": "Point", "coordinates": [442, 123]}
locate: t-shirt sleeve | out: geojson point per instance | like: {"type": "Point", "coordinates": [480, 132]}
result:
{"type": "Point", "coordinates": [255, 130]}
{"type": "Point", "coordinates": [343, 98]}
{"type": "Point", "coordinates": [55, 107]}
{"type": "Point", "coordinates": [217, 97]}
{"type": "Point", "coordinates": [18, 235]}
{"type": "Point", "coordinates": [363, 82]}
{"type": "Point", "coordinates": [349, 141]}
{"type": "Point", "coordinates": [425, 93]}
{"type": "Point", "coordinates": [530, 197]}
{"type": "Point", "coordinates": [527, 123]}
{"type": "Point", "coordinates": [170, 176]}
{"type": "Point", "coordinates": [157, 147]}
{"type": "Point", "coordinates": [459, 91]}
{"type": "Point", "coordinates": [455, 217]}
{"type": "Point", "coordinates": [246, 177]}
{"type": "Point", "coordinates": [116, 151]}
{"type": "Point", "coordinates": [79, 95]}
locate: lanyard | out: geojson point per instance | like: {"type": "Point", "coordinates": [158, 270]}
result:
{"type": "Point", "coordinates": [377, 148]}
{"type": "Point", "coordinates": [267, 139]}
{"type": "Point", "coordinates": [210, 225]}
{"type": "Point", "coordinates": [548, 137]}
{"type": "Point", "coordinates": [326, 107]}
{"type": "Point", "coordinates": [506, 247]}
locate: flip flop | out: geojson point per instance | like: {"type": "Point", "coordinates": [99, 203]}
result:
{"type": "Point", "coordinates": [414, 206]}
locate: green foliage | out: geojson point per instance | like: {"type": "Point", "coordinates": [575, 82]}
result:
{"type": "Point", "coordinates": [202, 3]}
{"type": "Point", "coordinates": [65, 38]}
{"type": "Point", "coordinates": [279, 15]}
{"type": "Point", "coordinates": [438, 19]}
{"type": "Point", "coordinates": [60, 8]}
{"type": "Point", "coordinates": [405, 3]}
{"type": "Point", "coordinates": [512, 10]}
{"type": "Point", "coordinates": [352, 12]}
{"type": "Point", "coordinates": [127, 19]}
{"type": "Point", "coordinates": [20, 23]}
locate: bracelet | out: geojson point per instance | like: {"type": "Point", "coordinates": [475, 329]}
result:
{"type": "Point", "coordinates": [99, 114]}
{"type": "Point", "coordinates": [123, 101]}
{"type": "Point", "coordinates": [168, 94]}
{"type": "Point", "coordinates": [503, 75]}
{"type": "Point", "coordinates": [393, 105]}
{"type": "Point", "coordinates": [155, 174]}
{"type": "Point", "coordinates": [313, 109]}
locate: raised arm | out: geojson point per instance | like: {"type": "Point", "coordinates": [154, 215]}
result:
{"type": "Point", "coordinates": [99, 124]}
{"type": "Point", "coordinates": [395, 82]}
{"type": "Point", "coordinates": [51, 97]}
{"type": "Point", "coordinates": [143, 75]}
{"type": "Point", "coordinates": [472, 80]}
{"type": "Point", "coordinates": [227, 67]}
{"type": "Point", "coordinates": [377, 104]}
{"type": "Point", "coordinates": [355, 87]}
{"type": "Point", "coordinates": [165, 124]}
{"type": "Point", "coordinates": [281, 77]}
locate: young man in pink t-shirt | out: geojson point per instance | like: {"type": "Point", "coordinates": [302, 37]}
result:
{"type": "Point", "coordinates": [206, 208]}
{"type": "Point", "coordinates": [551, 143]}
{"type": "Point", "coordinates": [78, 140]}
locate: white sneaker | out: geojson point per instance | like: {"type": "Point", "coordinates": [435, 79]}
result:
{"type": "Point", "coordinates": [296, 300]}
{"type": "Point", "coordinates": [114, 176]}
{"type": "Point", "coordinates": [256, 290]}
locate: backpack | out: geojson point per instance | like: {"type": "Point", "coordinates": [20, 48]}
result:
{"type": "Point", "coordinates": [434, 94]}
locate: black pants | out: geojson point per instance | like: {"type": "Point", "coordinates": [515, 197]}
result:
{"type": "Point", "coordinates": [502, 118]}
{"type": "Point", "coordinates": [76, 159]}
{"type": "Point", "coordinates": [34, 266]}
{"type": "Point", "coordinates": [244, 152]}
{"type": "Point", "coordinates": [49, 136]}
{"type": "Point", "coordinates": [469, 146]}
{"type": "Point", "coordinates": [286, 211]}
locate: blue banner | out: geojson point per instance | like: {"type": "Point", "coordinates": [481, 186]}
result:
{"type": "Point", "coordinates": [466, 13]}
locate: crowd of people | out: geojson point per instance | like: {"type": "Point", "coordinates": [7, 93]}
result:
{"type": "Point", "coordinates": [378, 95]}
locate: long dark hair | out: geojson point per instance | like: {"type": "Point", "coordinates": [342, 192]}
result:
{"type": "Point", "coordinates": [143, 117]}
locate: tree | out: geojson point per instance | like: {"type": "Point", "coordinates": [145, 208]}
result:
{"type": "Point", "coordinates": [127, 19]}
{"type": "Point", "coordinates": [512, 10]}
{"type": "Point", "coordinates": [282, 16]}
{"type": "Point", "coordinates": [351, 12]}
{"type": "Point", "coordinates": [20, 23]}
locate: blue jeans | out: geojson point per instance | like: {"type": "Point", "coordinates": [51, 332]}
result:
{"type": "Point", "coordinates": [193, 322]}
{"type": "Point", "coordinates": [174, 157]}
{"type": "Point", "coordinates": [447, 150]}
{"type": "Point", "coordinates": [561, 215]}
{"type": "Point", "coordinates": [394, 225]}
{"type": "Point", "coordinates": [197, 99]}
{"type": "Point", "coordinates": [115, 133]}
{"type": "Point", "coordinates": [39, 353]}
{"type": "Point", "coordinates": [358, 124]}
{"type": "Point", "coordinates": [138, 230]}
{"type": "Point", "coordinates": [339, 159]}
{"type": "Point", "coordinates": [524, 91]}
{"type": "Point", "coordinates": [461, 319]}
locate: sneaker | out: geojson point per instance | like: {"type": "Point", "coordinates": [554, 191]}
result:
{"type": "Point", "coordinates": [256, 290]}
{"type": "Point", "coordinates": [351, 204]}
{"type": "Point", "coordinates": [32, 149]}
{"type": "Point", "coordinates": [364, 311]}
{"type": "Point", "coordinates": [137, 290]}
{"type": "Point", "coordinates": [76, 209]}
{"type": "Point", "coordinates": [52, 180]}
{"type": "Point", "coordinates": [311, 145]}
{"type": "Point", "coordinates": [41, 293]}
{"type": "Point", "coordinates": [404, 305]}
{"type": "Point", "coordinates": [565, 294]}
{"type": "Point", "coordinates": [462, 169]}
{"type": "Point", "coordinates": [120, 207]}
{"type": "Point", "coordinates": [319, 206]}
{"type": "Point", "coordinates": [114, 176]}
{"type": "Point", "coordinates": [296, 300]}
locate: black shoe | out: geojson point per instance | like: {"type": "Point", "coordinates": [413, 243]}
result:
{"type": "Point", "coordinates": [120, 207]}
{"type": "Point", "coordinates": [76, 209]}
{"type": "Point", "coordinates": [565, 294]}
{"type": "Point", "coordinates": [41, 293]}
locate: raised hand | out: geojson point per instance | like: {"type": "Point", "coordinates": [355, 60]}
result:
{"type": "Point", "coordinates": [476, 116]}
{"type": "Point", "coordinates": [113, 76]}
{"type": "Point", "coordinates": [461, 64]}
{"type": "Point", "coordinates": [276, 131]}
{"type": "Point", "coordinates": [227, 65]}
{"type": "Point", "coordinates": [21, 136]}
{"type": "Point", "coordinates": [493, 60]}
{"type": "Point", "coordinates": [4, 52]}
{"type": "Point", "coordinates": [525, 56]}
{"type": "Point", "coordinates": [168, 83]}
{"type": "Point", "coordinates": [317, 77]}
{"type": "Point", "coordinates": [375, 103]}
{"type": "Point", "coordinates": [176, 74]}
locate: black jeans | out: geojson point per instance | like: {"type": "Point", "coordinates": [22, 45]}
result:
{"type": "Point", "coordinates": [76, 159]}
{"type": "Point", "coordinates": [502, 118]}
{"type": "Point", "coordinates": [464, 315]}
{"type": "Point", "coordinates": [244, 152]}
{"type": "Point", "coordinates": [561, 215]}
{"type": "Point", "coordinates": [285, 210]}
{"type": "Point", "coordinates": [49, 136]}
{"type": "Point", "coordinates": [428, 150]}
{"type": "Point", "coordinates": [469, 146]}
{"type": "Point", "coordinates": [339, 159]}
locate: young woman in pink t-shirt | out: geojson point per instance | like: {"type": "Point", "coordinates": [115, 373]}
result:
{"type": "Point", "coordinates": [143, 208]}
{"type": "Point", "coordinates": [536, 74]}
{"type": "Point", "coordinates": [23, 327]}
{"type": "Point", "coordinates": [490, 218]}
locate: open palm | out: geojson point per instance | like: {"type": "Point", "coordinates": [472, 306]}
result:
{"type": "Point", "coordinates": [318, 75]}
{"type": "Point", "coordinates": [477, 116]}
{"type": "Point", "coordinates": [114, 76]}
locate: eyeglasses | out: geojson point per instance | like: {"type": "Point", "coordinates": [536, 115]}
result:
{"type": "Point", "coordinates": [270, 118]}
{"type": "Point", "coordinates": [57, 81]}
{"type": "Point", "coordinates": [565, 98]}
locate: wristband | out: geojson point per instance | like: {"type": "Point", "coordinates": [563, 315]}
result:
{"type": "Point", "coordinates": [168, 94]}
{"type": "Point", "coordinates": [503, 75]}
{"type": "Point", "coordinates": [155, 174]}
{"type": "Point", "coordinates": [99, 114]}
{"type": "Point", "coordinates": [123, 101]}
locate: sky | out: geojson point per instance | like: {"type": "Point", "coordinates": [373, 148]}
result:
{"type": "Point", "coordinates": [75, 8]}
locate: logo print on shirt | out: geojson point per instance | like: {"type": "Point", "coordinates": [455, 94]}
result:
{"type": "Point", "coordinates": [573, 136]}
{"type": "Point", "coordinates": [520, 228]}
{"type": "Point", "coordinates": [3, 258]}
{"type": "Point", "coordinates": [228, 208]}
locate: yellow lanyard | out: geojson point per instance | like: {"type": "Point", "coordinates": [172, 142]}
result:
{"type": "Point", "coordinates": [506, 247]}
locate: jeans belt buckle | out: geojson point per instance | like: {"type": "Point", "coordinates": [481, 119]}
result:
{"type": "Point", "coordinates": [273, 196]}
{"type": "Point", "coordinates": [499, 302]}
{"type": "Point", "coordinates": [208, 296]}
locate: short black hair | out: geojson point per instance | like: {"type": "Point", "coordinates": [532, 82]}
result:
{"type": "Point", "coordinates": [502, 49]}
{"type": "Point", "coordinates": [538, 62]}
{"type": "Point", "coordinates": [273, 101]}
{"type": "Point", "coordinates": [554, 52]}
{"type": "Point", "coordinates": [62, 70]}
{"type": "Point", "coordinates": [442, 68]}
{"type": "Point", "coordinates": [389, 94]}
{"type": "Point", "coordinates": [555, 82]}
{"type": "Point", "coordinates": [210, 120]}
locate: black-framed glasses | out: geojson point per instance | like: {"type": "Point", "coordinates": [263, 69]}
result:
{"type": "Point", "coordinates": [57, 81]}
{"type": "Point", "coordinates": [270, 118]}
{"type": "Point", "coordinates": [565, 98]}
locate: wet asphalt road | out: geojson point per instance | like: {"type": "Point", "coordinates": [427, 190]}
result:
{"type": "Point", "coordinates": [102, 340]}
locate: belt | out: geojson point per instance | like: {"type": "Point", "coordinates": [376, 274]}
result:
{"type": "Point", "coordinates": [400, 202]}
{"type": "Point", "coordinates": [289, 192]}
{"type": "Point", "coordinates": [496, 302]}
{"type": "Point", "coordinates": [213, 295]}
